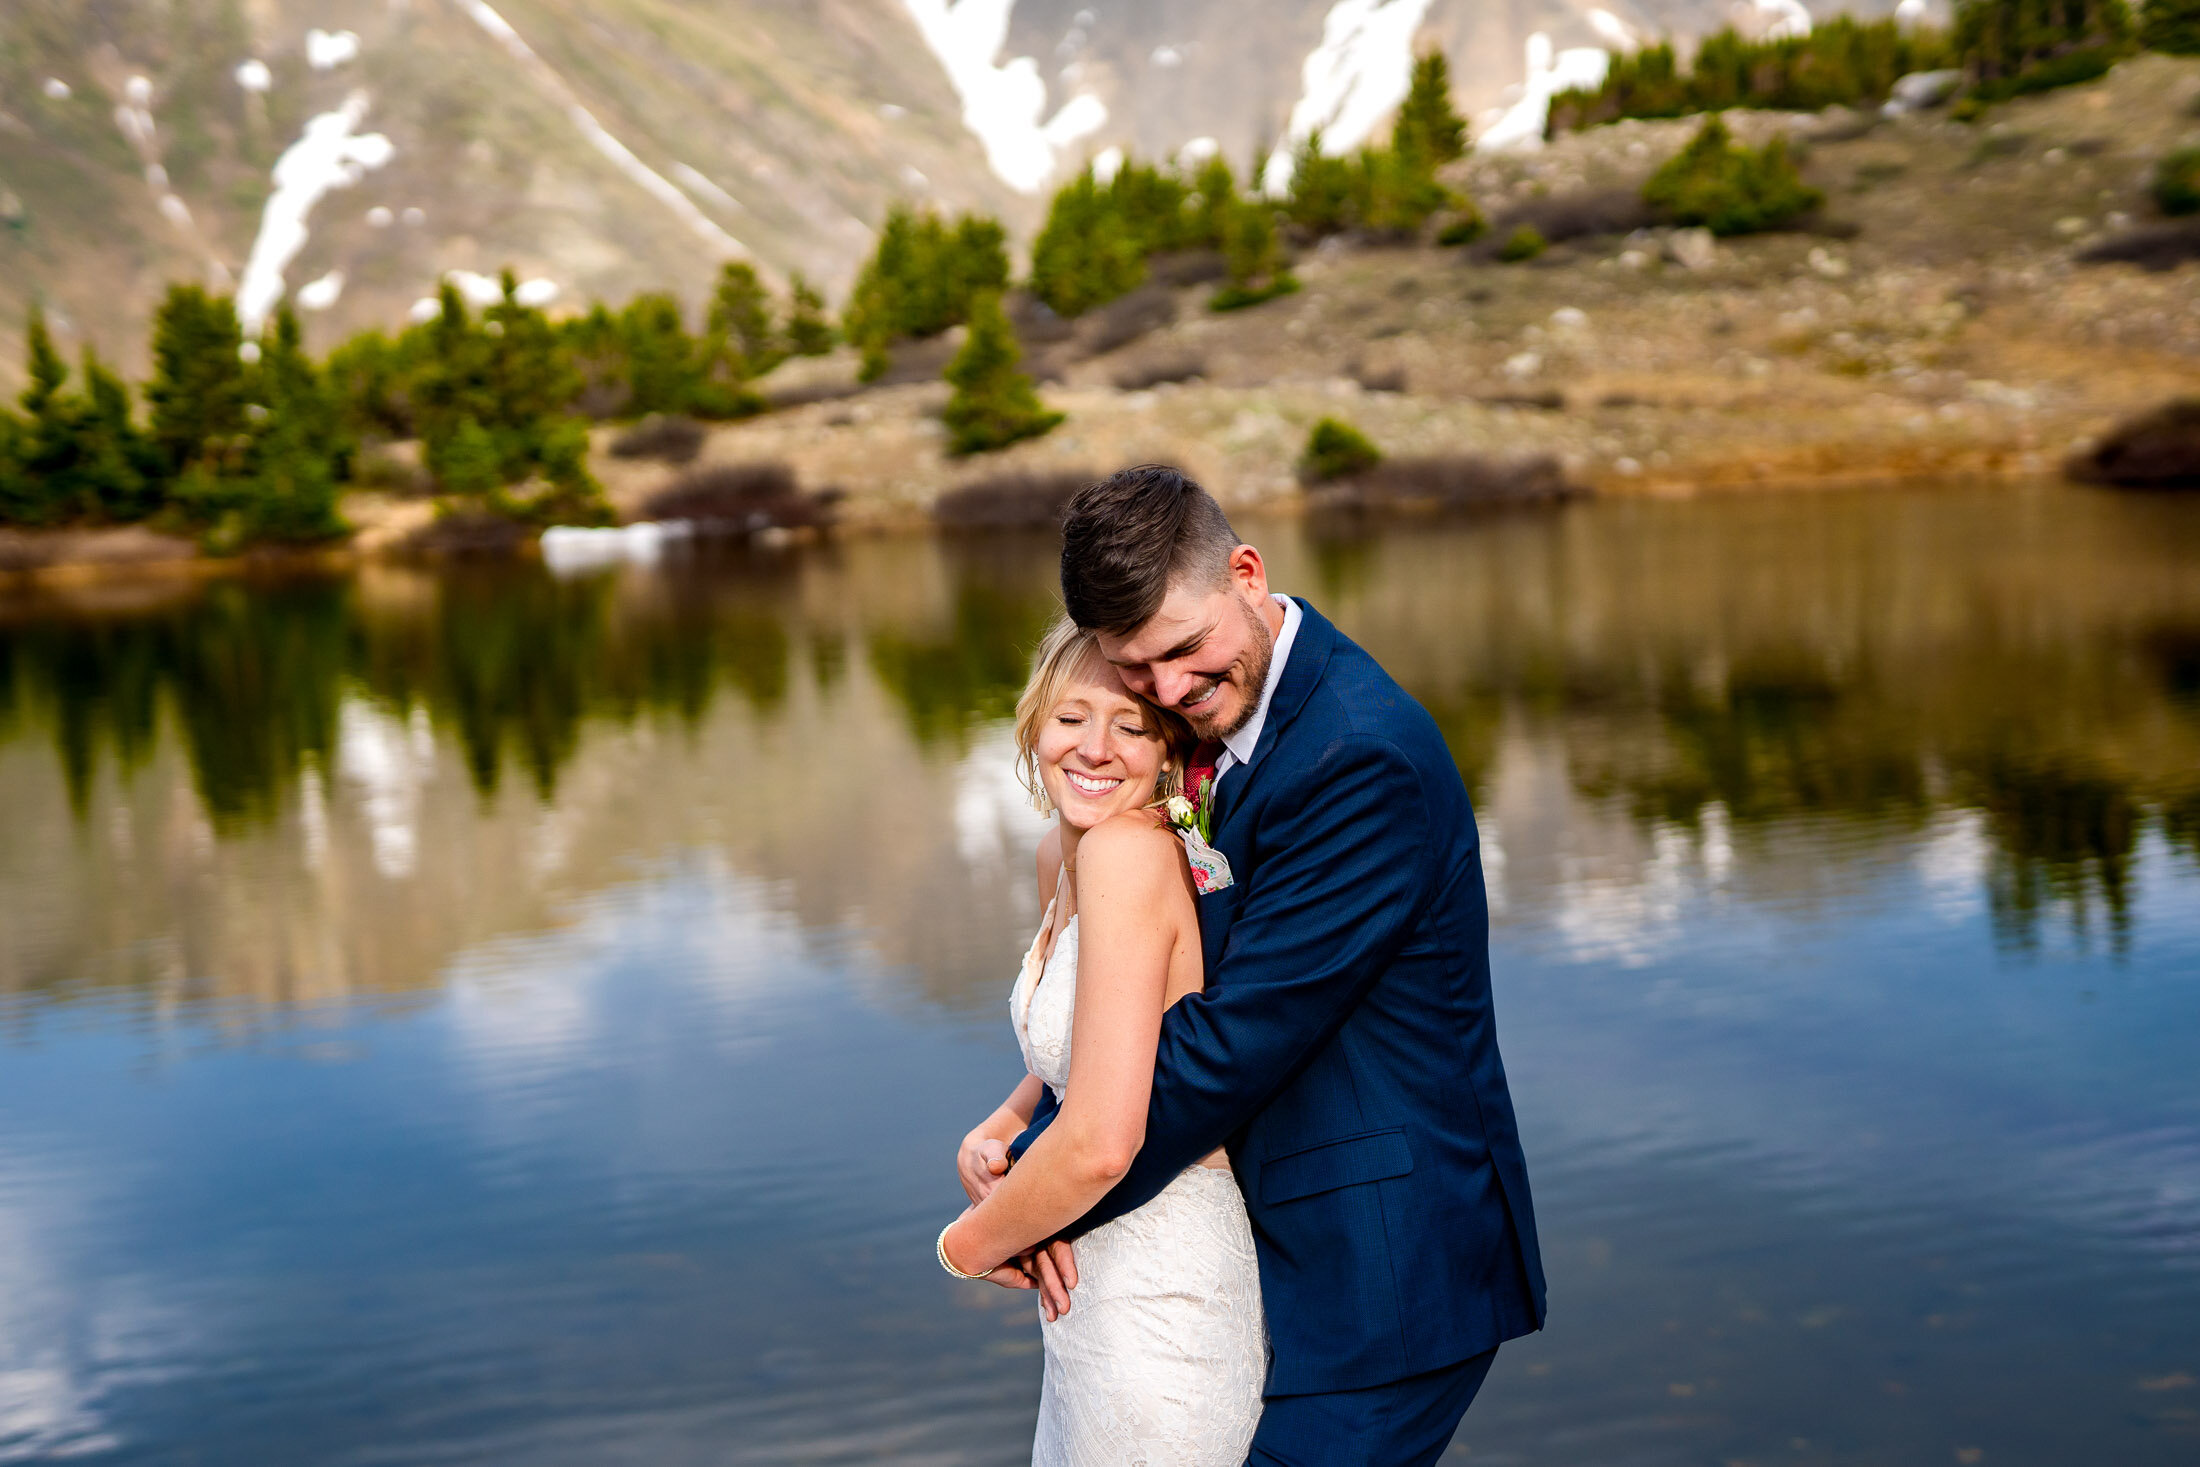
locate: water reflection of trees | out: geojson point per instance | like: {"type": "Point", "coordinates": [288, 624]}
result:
{"type": "Point", "coordinates": [1772, 663]}
{"type": "Point", "coordinates": [509, 661]}
{"type": "Point", "coordinates": [1864, 659]}
{"type": "Point", "coordinates": [947, 674]}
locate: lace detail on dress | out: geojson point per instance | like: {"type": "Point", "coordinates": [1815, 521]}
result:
{"type": "Point", "coordinates": [1160, 1361]}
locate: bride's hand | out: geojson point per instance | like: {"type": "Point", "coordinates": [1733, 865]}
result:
{"type": "Point", "coordinates": [980, 1164]}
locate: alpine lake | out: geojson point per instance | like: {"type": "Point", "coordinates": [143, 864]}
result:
{"type": "Point", "coordinates": [467, 1014]}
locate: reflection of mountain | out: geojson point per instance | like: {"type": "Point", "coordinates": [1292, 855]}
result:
{"type": "Point", "coordinates": [308, 789]}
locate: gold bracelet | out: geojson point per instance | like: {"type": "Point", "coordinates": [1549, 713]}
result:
{"type": "Point", "coordinates": [947, 1263]}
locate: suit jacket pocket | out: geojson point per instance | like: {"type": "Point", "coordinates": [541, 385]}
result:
{"type": "Point", "coordinates": [1217, 910]}
{"type": "Point", "coordinates": [1366, 1158]}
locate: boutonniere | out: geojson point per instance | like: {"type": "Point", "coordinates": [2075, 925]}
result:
{"type": "Point", "coordinates": [1193, 812]}
{"type": "Point", "coordinates": [1194, 819]}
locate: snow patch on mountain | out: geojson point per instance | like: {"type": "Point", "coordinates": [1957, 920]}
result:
{"type": "Point", "coordinates": [1788, 19]}
{"type": "Point", "coordinates": [1002, 104]}
{"type": "Point", "coordinates": [700, 183]}
{"type": "Point", "coordinates": [1520, 126]}
{"type": "Point", "coordinates": [648, 179]}
{"type": "Point", "coordinates": [327, 50]}
{"type": "Point", "coordinates": [483, 291]}
{"type": "Point", "coordinates": [1352, 81]}
{"type": "Point", "coordinates": [1616, 32]}
{"type": "Point", "coordinates": [252, 74]}
{"type": "Point", "coordinates": [329, 154]}
{"type": "Point", "coordinates": [319, 294]}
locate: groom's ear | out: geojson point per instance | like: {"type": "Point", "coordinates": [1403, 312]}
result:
{"type": "Point", "coordinates": [1248, 574]}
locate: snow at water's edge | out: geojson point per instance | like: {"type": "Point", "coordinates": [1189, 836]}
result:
{"type": "Point", "coordinates": [1352, 81]}
{"type": "Point", "coordinates": [328, 155]}
{"type": "Point", "coordinates": [655, 184]}
{"type": "Point", "coordinates": [1002, 104]}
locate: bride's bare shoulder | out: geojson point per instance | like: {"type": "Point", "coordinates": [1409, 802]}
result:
{"type": "Point", "coordinates": [1135, 846]}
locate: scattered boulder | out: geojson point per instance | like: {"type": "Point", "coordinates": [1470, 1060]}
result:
{"type": "Point", "coordinates": [1692, 249]}
{"type": "Point", "coordinates": [1450, 482]}
{"type": "Point", "coordinates": [669, 437]}
{"type": "Point", "coordinates": [1153, 371]}
{"type": "Point", "coordinates": [1031, 500]}
{"type": "Point", "coordinates": [740, 499]}
{"type": "Point", "coordinates": [1921, 91]}
{"type": "Point", "coordinates": [1123, 320]}
{"type": "Point", "coordinates": [2158, 451]}
{"type": "Point", "coordinates": [2151, 247]}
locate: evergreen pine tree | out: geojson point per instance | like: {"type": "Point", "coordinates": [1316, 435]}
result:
{"type": "Point", "coordinates": [808, 333]}
{"type": "Point", "coordinates": [573, 496]}
{"type": "Point", "coordinates": [49, 437]}
{"type": "Point", "coordinates": [1730, 189]}
{"type": "Point", "coordinates": [1085, 254]}
{"type": "Point", "coordinates": [19, 498]}
{"type": "Point", "coordinates": [296, 455]}
{"type": "Point", "coordinates": [1321, 189]}
{"type": "Point", "coordinates": [116, 463]}
{"type": "Point", "coordinates": [195, 396]}
{"type": "Point", "coordinates": [76, 456]}
{"type": "Point", "coordinates": [664, 366]}
{"type": "Point", "coordinates": [1255, 258]}
{"type": "Point", "coordinates": [529, 380]}
{"type": "Point", "coordinates": [452, 384]}
{"type": "Point", "coordinates": [1216, 195]}
{"type": "Point", "coordinates": [1428, 127]}
{"type": "Point", "coordinates": [2172, 26]}
{"type": "Point", "coordinates": [740, 323]}
{"type": "Point", "coordinates": [921, 279]}
{"type": "Point", "coordinates": [469, 465]}
{"type": "Point", "coordinates": [993, 404]}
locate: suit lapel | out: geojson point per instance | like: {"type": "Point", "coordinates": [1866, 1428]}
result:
{"type": "Point", "coordinates": [1301, 675]}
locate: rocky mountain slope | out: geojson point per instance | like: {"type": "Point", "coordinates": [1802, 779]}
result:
{"type": "Point", "coordinates": [1939, 321]}
{"type": "Point", "coordinates": [348, 153]}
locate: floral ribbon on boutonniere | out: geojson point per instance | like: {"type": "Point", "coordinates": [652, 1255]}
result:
{"type": "Point", "coordinates": [1193, 818]}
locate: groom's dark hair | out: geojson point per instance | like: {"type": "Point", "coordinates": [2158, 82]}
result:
{"type": "Point", "coordinates": [1128, 538]}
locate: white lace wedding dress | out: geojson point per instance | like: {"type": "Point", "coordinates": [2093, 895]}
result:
{"type": "Point", "coordinates": [1160, 1360]}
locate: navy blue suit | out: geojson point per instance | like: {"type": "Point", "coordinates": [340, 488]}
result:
{"type": "Point", "coordinates": [1345, 1051]}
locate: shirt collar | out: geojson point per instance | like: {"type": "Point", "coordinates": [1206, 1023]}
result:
{"type": "Point", "coordinates": [1242, 743]}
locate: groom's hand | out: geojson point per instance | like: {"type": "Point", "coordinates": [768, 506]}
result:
{"type": "Point", "coordinates": [1054, 1265]}
{"type": "Point", "coordinates": [980, 1164]}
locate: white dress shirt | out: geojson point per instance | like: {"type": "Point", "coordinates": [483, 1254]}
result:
{"type": "Point", "coordinates": [1238, 748]}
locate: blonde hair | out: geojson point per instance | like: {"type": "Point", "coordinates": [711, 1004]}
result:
{"type": "Point", "coordinates": [1062, 654]}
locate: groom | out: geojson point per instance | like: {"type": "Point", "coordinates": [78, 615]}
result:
{"type": "Point", "coordinates": [1344, 1049]}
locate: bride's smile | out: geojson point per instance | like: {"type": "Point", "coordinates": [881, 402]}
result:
{"type": "Point", "coordinates": [1098, 751]}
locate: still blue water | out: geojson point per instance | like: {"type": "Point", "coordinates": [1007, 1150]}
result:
{"type": "Point", "coordinates": [460, 1016]}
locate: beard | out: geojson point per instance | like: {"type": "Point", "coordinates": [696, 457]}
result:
{"type": "Point", "coordinates": [1249, 676]}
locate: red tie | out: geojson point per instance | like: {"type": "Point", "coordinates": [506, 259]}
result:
{"type": "Point", "coordinates": [1199, 771]}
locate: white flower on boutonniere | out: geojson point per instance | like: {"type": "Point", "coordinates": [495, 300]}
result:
{"type": "Point", "coordinates": [1186, 815]}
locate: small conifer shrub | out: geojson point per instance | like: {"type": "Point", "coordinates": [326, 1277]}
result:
{"type": "Point", "coordinates": [2176, 186]}
{"type": "Point", "coordinates": [994, 403]}
{"type": "Point", "coordinates": [1524, 243]}
{"type": "Point", "coordinates": [1727, 188]}
{"type": "Point", "coordinates": [1464, 227]}
{"type": "Point", "coordinates": [2172, 26]}
{"type": "Point", "coordinates": [1254, 258]}
{"type": "Point", "coordinates": [1336, 450]}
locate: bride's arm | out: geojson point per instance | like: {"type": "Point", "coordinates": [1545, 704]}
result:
{"type": "Point", "coordinates": [1132, 910]}
{"type": "Point", "coordinates": [982, 1157]}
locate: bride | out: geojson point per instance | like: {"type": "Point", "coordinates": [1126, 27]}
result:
{"type": "Point", "coordinates": [1161, 1360]}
